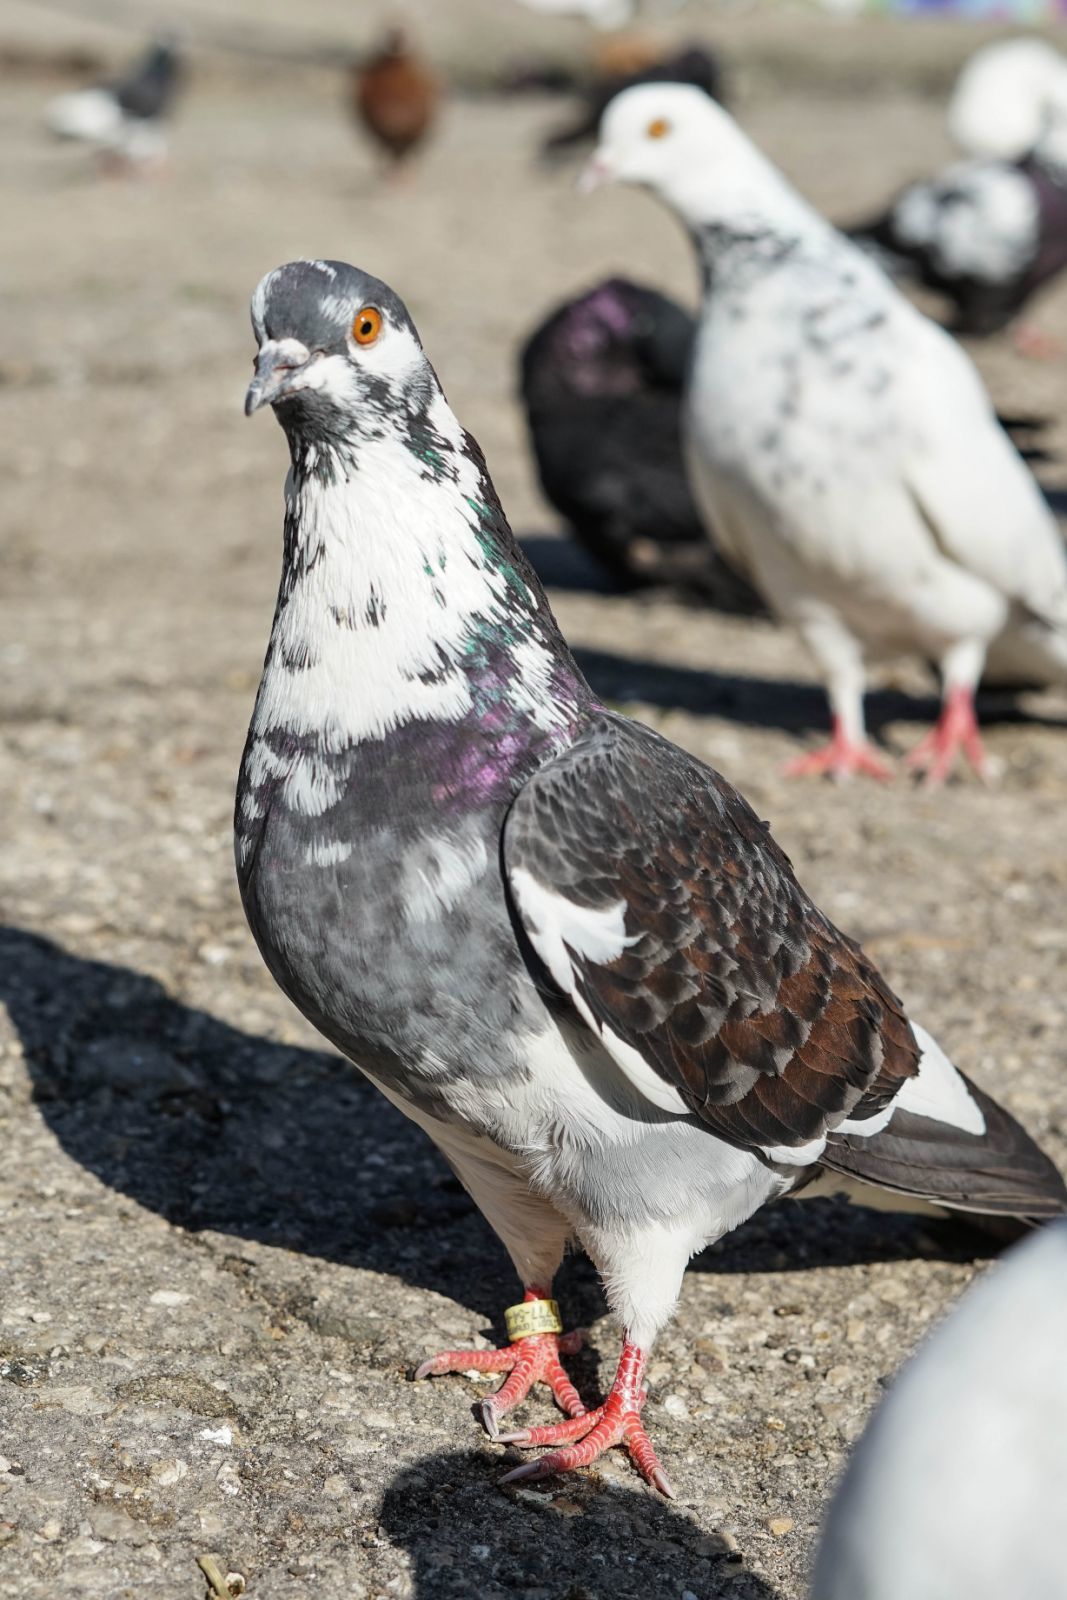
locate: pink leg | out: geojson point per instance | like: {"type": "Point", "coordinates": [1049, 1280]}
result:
{"type": "Point", "coordinates": [617, 1421]}
{"type": "Point", "coordinates": [956, 729]}
{"type": "Point", "coordinates": [534, 1359]}
{"type": "Point", "coordinates": [1034, 343]}
{"type": "Point", "coordinates": [842, 757]}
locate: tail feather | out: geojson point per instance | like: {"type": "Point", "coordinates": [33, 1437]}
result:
{"type": "Point", "coordinates": [948, 1143]}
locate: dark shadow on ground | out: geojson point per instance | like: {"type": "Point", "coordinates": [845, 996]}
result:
{"type": "Point", "coordinates": [467, 1539]}
{"type": "Point", "coordinates": [770, 702]}
{"type": "Point", "coordinates": [215, 1128]}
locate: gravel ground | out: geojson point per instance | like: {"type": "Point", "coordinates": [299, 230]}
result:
{"type": "Point", "coordinates": [222, 1253]}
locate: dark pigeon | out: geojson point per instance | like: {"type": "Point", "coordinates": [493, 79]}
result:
{"type": "Point", "coordinates": [601, 380]}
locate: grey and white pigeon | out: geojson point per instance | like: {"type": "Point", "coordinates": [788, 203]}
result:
{"type": "Point", "coordinates": [1010, 96]}
{"type": "Point", "coordinates": [124, 119]}
{"type": "Point", "coordinates": [956, 1487]}
{"type": "Point", "coordinates": [986, 233]}
{"type": "Point", "coordinates": [841, 444]}
{"type": "Point", "coordinates": [565, 948]}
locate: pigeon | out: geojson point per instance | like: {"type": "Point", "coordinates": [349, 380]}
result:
{"type": "Point", "coordinates": [985, 233]}
{"type": "Point", "coordinates": [693, 64]}
{"type": "Point", "coordinates": [841, 444]}
{"type": "Point", "coordinates": [565, 948]}
{"type": "Point", "coordinates": [124, 119]}
{"type": "Point", "coordinates": [956, 1487]}
{"type": "Point", "coordinates": [1009, 97]}
{"type": "Point", "coordinates": [602, 14]}
{"type": "Point", "coordinates": [395, 97]}
{"type": "Point", "coordinates": [601, 380]}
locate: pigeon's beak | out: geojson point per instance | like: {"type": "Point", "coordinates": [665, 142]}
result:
{"type": "Point", "coordinates": [597, 171]}
{"type": "Point", "coordinates": [280, 365]}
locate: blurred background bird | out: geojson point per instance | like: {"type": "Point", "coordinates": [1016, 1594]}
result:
{"type": "Point", "coordinates": [602, 379]}
{"type": "Point", "coordinates": [692, 64]}
{"type": "Point", "coordinates": [124, 119]}
{"type": "Point", "coordinates": [395, 97]}
{"type": "Point", "coordinates": [1009, 97]}
{"type": "Point", "coordinates": [956, 1487]}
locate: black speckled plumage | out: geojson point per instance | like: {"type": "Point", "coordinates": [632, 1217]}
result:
{"type": "Point", "coordinates": [949, 233]}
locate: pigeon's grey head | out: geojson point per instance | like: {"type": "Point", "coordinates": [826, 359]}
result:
{"type": "Point", "coordinates": [337, 350]}
{"type": "Point", "coordinates": [658, 134]}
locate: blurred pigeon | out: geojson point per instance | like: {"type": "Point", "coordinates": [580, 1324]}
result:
{"type": "Point", "coordinates": [841, 444]}
{"type": "Point", "coordinates": [956, 1487]}
{"type": "Point", "coordinates": [565, 948]}
{"type": "Point", "coordinates": [693, 64]}
{"type": "Point", "coordinates": [1008, 99]}
{"type": "Point", "coordinates": [602, 379]}
{"type": "Point", "coordinates": [125, 119]}
{"type": "Point", "coordinates": [395, 96]}
{"type": "Point", "coordinates": [601, 13]}
{"type": "Point", "coordinates": [985, 233]}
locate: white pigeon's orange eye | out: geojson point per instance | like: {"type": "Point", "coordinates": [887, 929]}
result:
{"type": "Point", "coordinates": [367, 325]}
{"type": "Point", "coordinates": [658, 127]}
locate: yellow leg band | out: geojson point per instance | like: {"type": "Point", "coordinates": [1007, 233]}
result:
{"type": "Point", "coordinates": [533, 1316]}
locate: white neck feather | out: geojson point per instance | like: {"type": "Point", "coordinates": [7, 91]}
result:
{"type": "Point", "coordinates": [388, 579]}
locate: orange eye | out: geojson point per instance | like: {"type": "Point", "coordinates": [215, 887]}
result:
{"type": "Point", "coordinates": [367, 325]}
{"type": "Point", "coordinates": [658, 128]}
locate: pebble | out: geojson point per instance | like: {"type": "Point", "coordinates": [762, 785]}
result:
{"type": "Point", "coordinates": [50, 1530]}
{"type": "Point", "coordinates": [675, 1406]}
{"type": "Point", "coordinates": [223, 1435]}
{"type": "Point", "coordinates": [780, 1526]}
{"type": "Point", "coordinates": [379, 1419]}
{"type": "Point", "coordinates": [168, 1473]}
{"type": "Point", "coordinates": [227, 1479]}
{"type": "Point", "coordinates": [335, 1486]}
{"type": "Point", "coordinates": [169, 1297]}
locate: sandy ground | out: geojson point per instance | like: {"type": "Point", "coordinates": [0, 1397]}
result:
{"type": "Point", "coordinates": [220, 1252]}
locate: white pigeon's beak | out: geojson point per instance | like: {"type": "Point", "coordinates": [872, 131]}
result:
{"type": "Point", "coordinates": [597, 171]}
{"type": "Point", "coordinates": [280, 365]}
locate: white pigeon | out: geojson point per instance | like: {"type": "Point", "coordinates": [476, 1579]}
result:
{"type": "Point", "coordinates": [957, 1486]}
{"type": "Point", "coordinates": [841, 444]}
{"type": "Point", "coordinates": [602, 14]}
{"type": "Point", "coordinates": [1008, 99]}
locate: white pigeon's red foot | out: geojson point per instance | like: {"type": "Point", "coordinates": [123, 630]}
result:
{"type": "Point", "coordinates": [617, 1421]}
{"type": "Point", "coordinates": [955, 729]}
{"type": "Point", "coordinates": [1035, 344]}
{"type": "Point", "coordinates": [843, 757]}
{"type": "Point", "coordinates": [532, 1359]}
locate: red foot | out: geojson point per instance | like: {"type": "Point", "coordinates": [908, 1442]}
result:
{"type": "Point", "coordinates": [1036, 345]}
{"type": "Point", "coordinates": [534, 1359]}
{"type": "Point", "coordinates": [841, 758]}
{"type": "Point", "coordinates": [955, 729]}
{"type": "Point", "coordinates": [617, 1421]}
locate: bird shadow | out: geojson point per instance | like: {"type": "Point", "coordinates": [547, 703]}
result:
{"type": "Point", "coordinates": [773, 702]}
{"type": "Point", "coordinates": [465, 1538]}
{"type": "Point", "coordinates": [218, 1129]}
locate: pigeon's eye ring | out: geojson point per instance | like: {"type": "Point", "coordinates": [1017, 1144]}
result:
{"type": "Point", "coordinates": [658, 127]}
{"type": "Point", "coordinates": [367, 325]}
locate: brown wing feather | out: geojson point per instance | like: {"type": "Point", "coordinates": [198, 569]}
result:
{"type": "Point", "coordinates": [773, 1026]}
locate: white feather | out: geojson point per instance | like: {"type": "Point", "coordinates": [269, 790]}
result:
{"type": "Point", "coordinates": [956, 1488]}
{"type": "Point", "coordinates": [841, 444]}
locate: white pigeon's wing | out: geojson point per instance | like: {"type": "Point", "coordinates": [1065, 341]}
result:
{"type": "Point", "coordinates": [979, 498]}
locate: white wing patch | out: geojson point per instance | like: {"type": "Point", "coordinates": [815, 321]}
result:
{"type": "Point", "coordinates": [938, 1092]}
{"type": "Point", "coordinates": [557, 928]}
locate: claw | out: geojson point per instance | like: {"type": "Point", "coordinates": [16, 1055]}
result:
{"type": "Point", "coordinates": [583, 1439]}
{"type": "Point", "coordinates": [956, 729]}
{"type": "Point", "coordinates": [842, 758]}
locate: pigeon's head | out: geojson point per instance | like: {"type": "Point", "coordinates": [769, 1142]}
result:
{"type": "Point", "coordinates": [337, 350]}
{"type": "Point", "coordinates": [656, 134]}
